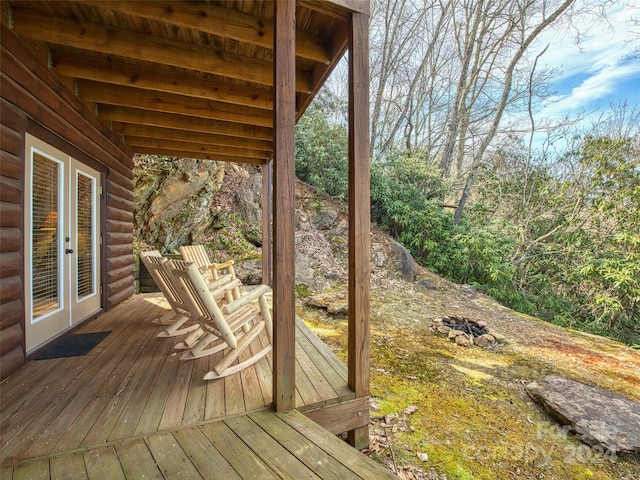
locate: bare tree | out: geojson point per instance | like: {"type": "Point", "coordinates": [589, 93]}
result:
{"type": "Point", "coordinates": [445, 73]}
{"type": "Point", "coordinates": [519, 22]}
{"type": "Point", "coordinates": [391, 46]}
{"type": "Point", "coordinates": [422, 88]}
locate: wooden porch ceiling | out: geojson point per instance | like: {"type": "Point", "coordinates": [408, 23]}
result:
{"type": "Point", "coordinates": [183, 78]}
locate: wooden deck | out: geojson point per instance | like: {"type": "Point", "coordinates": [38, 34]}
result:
{"type": "Point", "coordinates": [131, 409]}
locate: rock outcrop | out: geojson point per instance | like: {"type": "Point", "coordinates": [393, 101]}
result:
{"type": "Point", "coordinates": [186, 201]}
{"type": "Point", "coordinates": [598, 417]}
{"type": "Point", "coordinates": [173, 200]}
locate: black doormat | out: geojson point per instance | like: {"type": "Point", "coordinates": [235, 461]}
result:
{"type": "Point", "coordinates": [74, 345]}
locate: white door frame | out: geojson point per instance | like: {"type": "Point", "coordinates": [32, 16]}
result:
{"type": "Point", "coordinates": [67, 308]}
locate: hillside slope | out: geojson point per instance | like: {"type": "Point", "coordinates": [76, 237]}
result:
{"type": "Point", "coordinates": [441, 411]}
{"type": "Point", "coordinates": [446, 411]}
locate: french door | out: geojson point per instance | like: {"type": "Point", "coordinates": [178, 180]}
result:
{"type": "Point", "coordinates": [62, 240]}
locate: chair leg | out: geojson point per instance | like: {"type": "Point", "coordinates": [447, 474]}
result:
{"type": "Point", "coordinates": [190, 340]}
{"type": "Point", "coordinates": [199, 350]}
{"type": "Point", "coordinates": [266, 316]}
{"type": "Point", "coordinates": [174, 329]}
{"type": "Point", "coordinates": [166, 319]}
{"type": "Point", "coordinates": [213, 375]}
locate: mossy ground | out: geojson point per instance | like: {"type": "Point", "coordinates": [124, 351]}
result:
{"type": "Point", "coordinates": [473, 418]}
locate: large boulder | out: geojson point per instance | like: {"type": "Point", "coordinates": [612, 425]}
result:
{"type": "Point", "coordinates": [406, 264]}
{"type": "Point", "coordinates": [305, 272]}
{"type": "Point", "coordinates": [333, 302]}
{"type": "Point", "coordinates": [598, 417]}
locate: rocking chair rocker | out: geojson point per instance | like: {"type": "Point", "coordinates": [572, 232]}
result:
{"type": "Point", "coordinates": [233, 327]}
{"type": "Point", "coordinates": [179, 315]}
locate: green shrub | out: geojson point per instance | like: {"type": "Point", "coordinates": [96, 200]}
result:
{"type": "Point", "coordinates": [322, 150]}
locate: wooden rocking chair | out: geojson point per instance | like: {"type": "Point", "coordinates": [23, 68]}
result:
{"type": "Point", "coordinates": [179, 315]}
{"type": "Point", "coordinates": [197, 254]}
{"type": "Point", "coordinates": [234, 326]}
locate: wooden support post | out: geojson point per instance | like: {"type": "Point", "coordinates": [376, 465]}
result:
{"type": "Point", "coordinates": [359, 217]}
{"type": "Point", "coordinates": [284, 118]}
{"type": "Point", "coordinates": [266, 224]}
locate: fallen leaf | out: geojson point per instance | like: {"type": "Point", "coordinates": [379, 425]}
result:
{"type": "Point", "coordinates": [423, 456]}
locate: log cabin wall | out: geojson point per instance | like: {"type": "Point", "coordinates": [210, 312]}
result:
{"type": "Point", "coordinates": [34, 100]}
{"type": "Point", "coordinates": [13, 124]}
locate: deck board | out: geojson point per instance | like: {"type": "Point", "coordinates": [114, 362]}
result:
{"type": "Point", "coordinates": [206, 458]}
{"type": "Point", "coordinates": [243, 460]}
{"type": "Point", "coordinates": [313, 456]}
{"type": "Point", "coordinates": [341, 451]}
{"type": "Point", "coordinates": [69, 466]}
{"type": "Point", "coordinates": [103, 463]}
{"type": "Point", "coordinates": [138, 391]}
{"type": "Point", "coordinates": [269, 450]}
{"type": "Point", "coordinates": [171, 458]}
{"type": "Point", "coordinates": [197, 393]}
{"type": "Point", "coordinates": [177, 397]}
{"type": "Point", "coordinates": [137, 461]}
{"type": "Point", "coordinates": [35, 470]}
{"type": "Point", "coordinates": [78, 429]}
{"type": "Point", "coordinates": [131, 409]}
{"type": "Point", "coordinates": [215, 403]}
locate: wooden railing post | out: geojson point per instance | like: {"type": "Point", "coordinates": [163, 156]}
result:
{"type": "Point", "coordinates": [359, 217]}
{"type": "Point", "coordinates": [267, 198]}
{"type": "Point", "coordinates": [284, 117]}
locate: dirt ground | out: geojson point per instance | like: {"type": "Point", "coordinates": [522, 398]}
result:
{"type": "Point", "coordinates": [442, 411]}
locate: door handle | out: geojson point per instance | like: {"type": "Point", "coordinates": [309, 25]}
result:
{"type": "Point", "coordinates": [68, 250]}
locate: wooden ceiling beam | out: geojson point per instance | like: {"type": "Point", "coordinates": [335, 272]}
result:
{"type": "Point", "coordinates": [224, 22]}
{"type": "Point", "coordinates": [91, 68]}
{"type": "Point", "coordinates": [111, 113]}
{"type": "Point", "coordinates": [135, 130]}
{"type": "Point", "coordinates": [337, 7]}
{"type": "Point", "coordinates": [40, 26]}
{"type": "Point", "coordinates": [103, 93]}
{"type": "Point", "coordinates": [164, 144]}
{"type": "Point", "coordinates": [200, 155]}
{"type": "Point", "coordinates": [319, 77]}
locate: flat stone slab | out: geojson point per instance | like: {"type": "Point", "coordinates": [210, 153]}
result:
{"type": "Point", "coordinates": [597, 417]}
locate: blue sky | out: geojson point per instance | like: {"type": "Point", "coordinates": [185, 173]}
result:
{"type": "Point", "coordinates": [603, 69]}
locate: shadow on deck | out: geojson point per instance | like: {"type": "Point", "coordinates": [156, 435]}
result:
{"type": "Point", "coordinates": [131, 409]}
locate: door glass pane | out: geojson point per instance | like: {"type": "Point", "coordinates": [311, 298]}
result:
{"type": "Point", "coordinates": [46, 225]}
{"type": "Point", "coordinates": [84, 235]}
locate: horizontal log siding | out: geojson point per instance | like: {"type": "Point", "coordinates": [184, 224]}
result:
{"type": "Point", "coordinates": [35, 100]}
{"type": "Point", "coordinates": [119, 243]}
{"type": "Point", "coordinates": [12, 123]}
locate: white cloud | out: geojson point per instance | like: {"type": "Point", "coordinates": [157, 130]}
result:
{"type": "Point", "coordinates": [596, 68]}
{"type": "Point", "coordinates": [600, 85]}
{"type": "Point", "coordinates": [603, 42]}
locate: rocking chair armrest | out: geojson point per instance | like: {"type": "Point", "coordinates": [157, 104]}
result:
{"type": "Point", "coordinates": [223, 280]}
{"type": "Point", "coordinates": [222, 265]}
{"type": "Point", "coordinates": [217, 266]}
{"type": "Point", "coordinates": [221, 290]}
{"type": "Point", "coordinates": [248, 298]}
